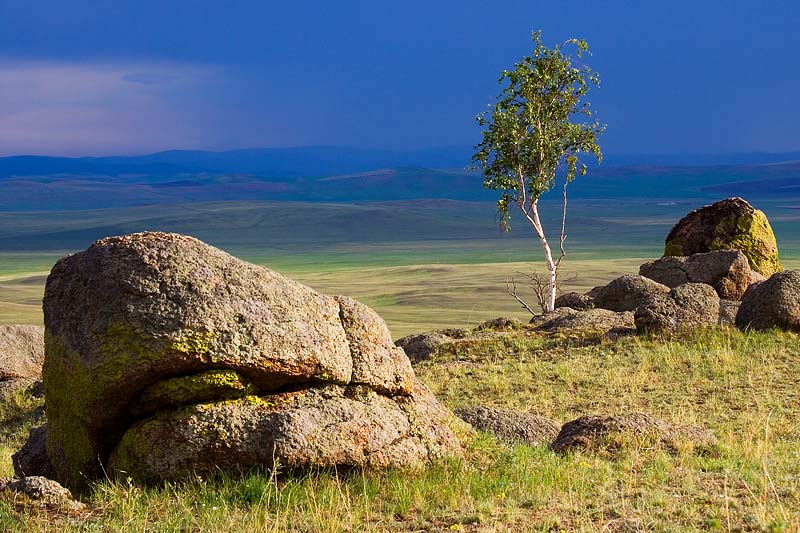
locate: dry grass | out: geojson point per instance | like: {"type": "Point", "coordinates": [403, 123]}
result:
{"type": "Point", "coordinates": [410, 298]}
{"type": "Point", "coordinates": [742, 386]}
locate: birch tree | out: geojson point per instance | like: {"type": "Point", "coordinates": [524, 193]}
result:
{"type": "Point", "coordinates": [534, 138]}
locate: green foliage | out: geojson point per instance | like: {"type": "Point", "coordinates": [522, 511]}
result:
{"type": "Point", "coordinates": [535, 128]}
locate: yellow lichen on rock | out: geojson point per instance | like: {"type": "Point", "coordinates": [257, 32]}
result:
{"type": "Point", "coordinates": [730, 224]}
{"type": "Point", "coordinates": [753, 236]}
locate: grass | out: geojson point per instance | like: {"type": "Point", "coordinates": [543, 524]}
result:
{"type": "Point", "coordinates": [411, 298]}
{"type": "Point", "coordinates": [743, 386]}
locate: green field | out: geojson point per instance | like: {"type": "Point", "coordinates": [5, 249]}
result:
{"type": "Point", "coordinates": [422, 264]}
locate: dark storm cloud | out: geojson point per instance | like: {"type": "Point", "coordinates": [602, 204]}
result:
{"type": "Point", "coordinates": [128, 76]}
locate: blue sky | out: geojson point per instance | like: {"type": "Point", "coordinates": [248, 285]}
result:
{"type": "Point", "coordinates": [125, 77]}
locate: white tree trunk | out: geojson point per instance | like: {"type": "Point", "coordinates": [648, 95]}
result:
{"type": "Point", "coordinates": [552, 266]}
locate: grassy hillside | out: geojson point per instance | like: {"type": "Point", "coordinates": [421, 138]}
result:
{"type": "Point", "coordinates": [741, 386]}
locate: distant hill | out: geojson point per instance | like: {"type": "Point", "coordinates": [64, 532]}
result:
{"type": "Point", "coordinates": [321, 161]}
{"type": "Point", "coordinates": [309, 161]}
{"type": "Point", "coordinates": [331, 174]}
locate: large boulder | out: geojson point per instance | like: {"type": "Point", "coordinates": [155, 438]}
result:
{"type": "Point", "coordinates": [165, 356]}
{"type": "Point", "coordinates": [686, 306]}
{"type": "Point", "coordinates": [728, 271]}
{"type": "Point", "coordinates": [731, 224]}
{"type": "Point", "coordinates": [627, 292]}
{"type": "Point", "coordinates": [774, 303]}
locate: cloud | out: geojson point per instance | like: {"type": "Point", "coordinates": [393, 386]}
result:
{"type": "Point", "coordinates": [103, 108]}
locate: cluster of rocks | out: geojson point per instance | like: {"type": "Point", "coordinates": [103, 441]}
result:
{"type": "Point", "coordinates": [730, 275]}
{"type": "Point", "coordinates": [730, 251]}
{"type": "Point", "coordinates": [166, 357]}
{"type": "Point", "coordinates": [588, 433]}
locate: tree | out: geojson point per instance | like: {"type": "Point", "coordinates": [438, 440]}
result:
{"type": "Point", "coordinates": [534, 137]}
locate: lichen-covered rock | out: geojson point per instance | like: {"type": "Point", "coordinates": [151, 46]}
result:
{"type": "Point", "coordinates": [32, 459]}
{"type": "Point", "coordinates": [43, 490]}
{"type": "Point", "coordinates": [324, 426]}
{"type": "Point", "coordinates": [728, 271]}
{"type": "Point", "coordinates": [421, 346]}
{"type": "Point", "coordinates": [514, 427]}
{"type": "Point", "coordinates": [575, 300]}
{"type": "Point", "coordinates": [156, 324]}
{"type": "Point", "coordinates": [612, 433]}
{"type": "Point", "coordinates": [730, 224]}
{"type": "Point", "coordinates": [212, 385]}
{"type": "Point", "coordinates": [21, 352]}
{"type": "Point", "coordinates": [686, 306]}
{"type": "Point", "coordinates": [602, 321]}
{"type": "Point", "coordinates": [627, 292]}
{"type": "Point", "coordinates": [774, 303]}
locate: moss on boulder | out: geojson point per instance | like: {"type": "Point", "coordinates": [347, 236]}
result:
{"type": "Point", "coordinates": [195, 388]}
{"type": "Point", "coordinates": [144, 327]}
{"type": "Point", "coordinates": [730, 224]}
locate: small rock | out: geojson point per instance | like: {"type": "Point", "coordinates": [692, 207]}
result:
{"type": "Point", "coordinates": [500, 324]}
{"type": "Point", "coordinates": [774, 303]}
{"type": "Point", "coordinates": [32, 459]}
{"type": "Point", "coordinates": [558, 312]}
{"type": "Point", "coordinates": [567, 320]}
{"type": "Point", "coordinates": [628, 292]}
{"type": "Point", "coordinates": [43, 490]}
{"type": "Point", "coordinates": [514, 427]}
{"type": "Point", "coordinates": [612, 433]}
{"type": "Point", "coordinates": [420, 346]}
{"type": "Point", "coordinates": [727, 312]}
{"type": "Point", "coordinates": [455, 333]}
{"type": "Point", "coordinates": [687, 306]}
{"type": "Point", "coordinates": [575, 300]}
{"type": "Point", "coordinates": [21, 352]}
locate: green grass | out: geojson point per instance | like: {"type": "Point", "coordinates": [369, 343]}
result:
{"type": "Point", "coordinates": [742, 386]}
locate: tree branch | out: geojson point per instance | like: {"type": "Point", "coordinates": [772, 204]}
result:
{"type": "Point", "coordinates": [563, 227]}
{"type": "Point", "coordinates": [511, 288]}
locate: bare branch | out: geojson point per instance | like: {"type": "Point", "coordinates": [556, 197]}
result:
{"type": "Point", "coordinates": [511, 288]}
{"type": "Point", "coordinates": [540, 285]}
